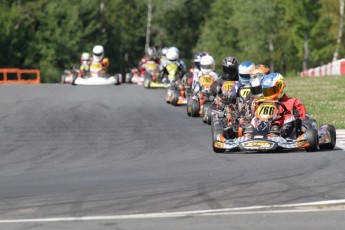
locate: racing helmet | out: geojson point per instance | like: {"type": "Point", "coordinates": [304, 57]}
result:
{"type": "Point", "coordinates": [230, 68]}
{"type": "Point", "coordinates": [244, 72]}
{"type": "Point", "coordinates": [197, 58]}
{"type": "Point", "coordinates": [207, 64]}
{"type": "Point", "coordinates": [263, 68]}
{"type": "Point", "coordinates": [174, 48]}
{"type": "Point", "coordinates": [98, 53]}
{"type": "Point", "coordinates": [164, 51]}
{"type": "Point", "coordinates": [273, 86]}
{"type": "Point", "coordinates": [256, 75]}
{"type": "Point", "coordinates": [172, 55]}
{"type": "Point", "coordinates": [85, 57]}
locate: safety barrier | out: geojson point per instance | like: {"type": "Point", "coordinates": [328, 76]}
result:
{"type": "Point", "coordinates": [20, 76]}
{"type": "Point", "coordinates": [335, 68]}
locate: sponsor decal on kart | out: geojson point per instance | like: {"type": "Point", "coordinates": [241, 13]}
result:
{"type": "Point", "coordinates": [258, 145]}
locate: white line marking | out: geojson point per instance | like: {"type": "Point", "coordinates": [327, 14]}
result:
{"type": "Point", "coordinates": [307, 207]}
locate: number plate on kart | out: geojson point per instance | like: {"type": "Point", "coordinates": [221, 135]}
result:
{"type": "Point", "coordinates": [258, 145]}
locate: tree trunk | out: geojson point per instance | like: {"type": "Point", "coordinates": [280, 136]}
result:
{"type": "Point", "coordinates": [148, 26]}
{"type": "Point", "coordinates": [340, 31]}
{"type": "Point", "coordinates": [306, 52]}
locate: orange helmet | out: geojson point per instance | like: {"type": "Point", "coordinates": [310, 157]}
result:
{"type": "Point", "coordinates": [260, 68]}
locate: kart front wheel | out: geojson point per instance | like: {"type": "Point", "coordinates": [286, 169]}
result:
{"type": "Point", "coordinates": [175, 96]}
{"type": "Point", "coordinates": [312, 139]}
{"type": "Point", "coordinates": [189, 108]}
{"type": "Point", "coordinates": [216, 129]}
{"type": "Point", "coordinates": [333, 137]}
{"type": "Point", "coordinates": [195, 107]}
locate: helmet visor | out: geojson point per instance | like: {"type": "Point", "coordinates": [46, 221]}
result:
{"type": "Point", "coordinates": [256, 90]}
{"type": "Point", "coordinates": [98, 54]}
{"type": "Point", "coordinates": [271, 91]}
{"type": "Point", "coordinates": [210, 67]}
{"type": "Point", "coordinates": [247, 76]}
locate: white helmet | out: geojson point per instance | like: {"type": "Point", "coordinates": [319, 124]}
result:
{"type": "Point", "coordinates": [174, 48]}
{"type": "Point", "coordinates": [165, 51]}
{"type": "Point", "coordinates": [207, 64]}
{"type": "Point", "coordinates": [172, 55]}
{"type": "Point", "coordinates": [98, 53]}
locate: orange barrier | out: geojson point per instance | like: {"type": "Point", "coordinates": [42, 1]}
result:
{"type": "Point", "coordinates": [20, 76]}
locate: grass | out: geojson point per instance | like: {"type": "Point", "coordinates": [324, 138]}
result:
{"type": "Point", "coordinates": [323, 97]}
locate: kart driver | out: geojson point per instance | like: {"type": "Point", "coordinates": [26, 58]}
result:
{"type": "Point", "coordinates": [98, 57]}
{"type": "Point", "coordinates": [274, 88]}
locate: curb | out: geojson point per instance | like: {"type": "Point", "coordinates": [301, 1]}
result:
{"type": "Point", "coordinates": [341, 138]}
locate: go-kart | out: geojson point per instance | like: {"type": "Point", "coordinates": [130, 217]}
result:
{"type": "Point", "coordinates": [201, 104]}
{"type": "Point", "coordinates": [69, 75]}
{"type": "Point", "coordinates": [227, 121]}
{"type": "Point", "coordinates": [135, 76]}
{"type": "Point", "coordinates": [151, 76]}
{"type": "Point", "coordinates": [261, 135]}
{"type": "Point", "coordinates": [178, 92]}
{"type": "Point", "coordinates": [96, 76]}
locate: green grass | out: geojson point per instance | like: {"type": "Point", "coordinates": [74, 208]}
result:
{"type": "Point", "coordinates": [324, 98]}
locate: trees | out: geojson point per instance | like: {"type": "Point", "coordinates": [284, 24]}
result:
{"type": "Point", "coordinates": [286, 35]}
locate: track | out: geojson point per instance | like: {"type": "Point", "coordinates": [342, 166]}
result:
{"type": "Point", "coordinates": [121, 150]}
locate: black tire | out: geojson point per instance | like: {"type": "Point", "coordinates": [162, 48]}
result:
{"type": "Point", "coordinates": [175, 97]}
{"type": "Point", "coordinates": [74, 77]}
{"type": "Point", "coordinates": [216, 129]}
{"type": "Point", "coordinates": [312, 139]}
{"type": "Point", "coordinates": [195, 107]}
{"type": "Point", "coordinates": [333, 134]}
{"type": "Point", "coordinates": [128, 78]}
{"type": "Point", "coordinates": [209, 114]}
{"type": "Point", "coordinates": [147, 83]}
{"type": "Point", "coordinates": [117, 78]}
{"type": "Point", "coordinates": [205, 109]}
{"type": "Point", "coordinates": [189, 108]}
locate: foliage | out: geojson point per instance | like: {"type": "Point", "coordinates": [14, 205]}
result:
{"type": "Point", "coordinates": [50, 35]}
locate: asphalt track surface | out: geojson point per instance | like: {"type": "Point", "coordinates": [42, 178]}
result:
{"type": "Point", "coordinates": [119, 157]}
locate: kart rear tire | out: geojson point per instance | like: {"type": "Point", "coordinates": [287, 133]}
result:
{"type": "Point", "coordinates": [312, 139]}
{"type": "Point", "coordinates": [117, 78]}
{"type": "Point", "coordinates": [209, 114]}
{"type": "Point", "coordinates": [128, 78]}
{"type": "Point", "coordinates": [216, 129]}
{"type": "Point", "coordinates": [205, 109]}
{"type": "Point", "coordinates": [195, 107]}
{"type": "Point", "coordinates": [147, 83]}
{"type": "Point", "coordinates": [175, 97]}
{"type": "Point", "coordinates": [333, 134]}
{"type": "Point", "coordinates": [189, 108]}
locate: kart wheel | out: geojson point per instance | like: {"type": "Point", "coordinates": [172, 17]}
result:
{"type": "Point", "coordinates": [332, 133]}
{"type": "Point", "coordinates": [189, 108]}
{"type": "Point", "coordinates": [195, 107]}
{"type": "Point", "coordinates": [117, 78]}
{"type": "Point", "coordinates": [209, 114]}
{"type": "Point", "coordinates": [312, 139]}
{"type": "Point", "coordinates": [175, 96]}
{"type": "Point", "coordinates": [74, 77]}
{"type": "Point", "coordinates": [147, 83]}
{"type": "Point", "coordinates": [205, 110]}
{"type": "Point", "coordinates": [128, 78]}
{"type": "Point", "coordinates": [216, 129]}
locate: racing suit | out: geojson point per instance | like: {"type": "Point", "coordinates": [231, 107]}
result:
{"type": "Point", "coordinates": [196, 88]}
{"type": "Point", "coordinates": [293, 118]}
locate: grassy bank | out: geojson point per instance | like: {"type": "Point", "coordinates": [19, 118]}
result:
{"type": "Point", "coordinates": [324, 98]}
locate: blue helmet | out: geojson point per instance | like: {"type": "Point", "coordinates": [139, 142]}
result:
{"type": "Point", "coordinates": [244, 70]}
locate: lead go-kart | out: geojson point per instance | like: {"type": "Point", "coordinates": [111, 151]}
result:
{"type": "Point", "coordinates": [259, 136]}
{"type": "Point", "coordinates": [201, 103]}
